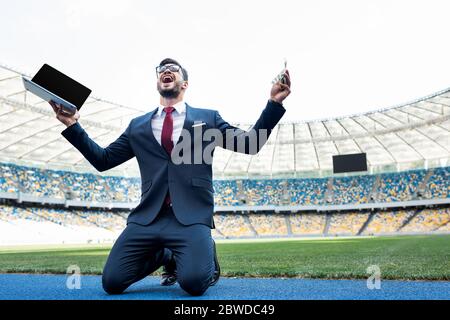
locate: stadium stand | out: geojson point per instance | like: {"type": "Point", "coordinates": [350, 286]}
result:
{"type": "Point", "coordinates": [400, 186]}
{"type": "Point", "coordinates": [444, 228]}
{"type": "Point", "coordinates": [232, 225]}
{"type": "Point", "coordinates": [307, 223]}
{"type": "Point", "coordinates": [427, 220]}
{"type": "Point", "coordinates": [352, 189]}
{"type": "Point", "coordinates": [269, 224]}
{"type": "Point", "coordinates": [347, 224]}
{"type": "Point", "coordinates": [40, 223]}
{"type": "Point", "coordinates": [388, 221]}
{"type": "Point", "coordinates": [20, 224]}
{"type": "Point", "coordinates": [393, 187]}
{"type": "Point", "coordinates": [439, 183]}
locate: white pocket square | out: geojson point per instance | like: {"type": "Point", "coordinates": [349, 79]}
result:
{"type": "Point", "coordinates": [198, 124]}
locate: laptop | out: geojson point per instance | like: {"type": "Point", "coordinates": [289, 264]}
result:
{"type": "Point", "coordinates": [53, 85]}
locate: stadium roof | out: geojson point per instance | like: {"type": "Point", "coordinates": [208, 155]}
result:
{"type": "Point", "coordinates": [411, 135]}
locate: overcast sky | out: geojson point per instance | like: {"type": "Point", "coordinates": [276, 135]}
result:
{"type": "Point", "coordinates": [344, 56]}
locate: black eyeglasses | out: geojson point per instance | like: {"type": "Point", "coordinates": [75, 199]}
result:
{"type": "Point", "coordinates": [171, 68]}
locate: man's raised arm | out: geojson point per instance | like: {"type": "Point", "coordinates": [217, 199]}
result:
{"type": "Point", "coordinates": [102, 159]}
{"type": "Point", "coordinates": [250, 142]}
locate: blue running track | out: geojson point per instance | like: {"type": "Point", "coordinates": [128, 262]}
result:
{"type": "Point", "coordinates": [53, 287]}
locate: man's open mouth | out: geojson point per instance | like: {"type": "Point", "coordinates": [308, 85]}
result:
{"type": "Point", "coordinates": [167, 78]}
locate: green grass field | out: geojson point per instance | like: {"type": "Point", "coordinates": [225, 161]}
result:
{"type": "Point", "coordinates": [401, 257]}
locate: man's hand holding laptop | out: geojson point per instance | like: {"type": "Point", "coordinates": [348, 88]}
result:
{"type": "Point", "coordinates": [65, 118]}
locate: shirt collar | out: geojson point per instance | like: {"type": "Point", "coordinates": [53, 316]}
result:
{"type": "Point", "coordinates": [180, 107]}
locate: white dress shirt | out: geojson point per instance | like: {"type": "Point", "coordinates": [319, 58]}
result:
{"type": "Point", "coordinates": [178, 116]}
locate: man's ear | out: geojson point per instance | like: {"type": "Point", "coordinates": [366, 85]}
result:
{"type": "Point", "coordinates": [185, 85]}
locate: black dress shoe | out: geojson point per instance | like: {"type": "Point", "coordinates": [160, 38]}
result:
{"type": "Point", "coordinates": [216, 274]}
{"type": "Point", "coordinates": [169, 273]}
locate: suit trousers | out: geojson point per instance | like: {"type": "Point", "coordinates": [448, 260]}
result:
{"type": "Point", "coordinates": [142, 249]}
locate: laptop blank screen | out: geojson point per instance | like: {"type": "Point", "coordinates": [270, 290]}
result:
{"type": "Point", "coordinates": [61, 85]}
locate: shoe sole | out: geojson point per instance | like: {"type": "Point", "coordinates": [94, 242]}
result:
{"type": "Point", "coordinates": [216, 262]}
{"type": "Point", "coordinates": [168, 284]}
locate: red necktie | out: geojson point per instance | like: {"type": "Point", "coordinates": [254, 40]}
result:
{"type": "Point", "coordinates": [166, 138]}
{"type": "Point", "coordinates": [167, 130]}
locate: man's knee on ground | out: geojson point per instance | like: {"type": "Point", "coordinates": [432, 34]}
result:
{"type": "Point", "coordinates": [110, 283]}
{"type": "Point", "coordinates": [194, 284]}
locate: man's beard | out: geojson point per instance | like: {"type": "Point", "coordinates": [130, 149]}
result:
{"type": "Point", "coordinates": [170, 93]}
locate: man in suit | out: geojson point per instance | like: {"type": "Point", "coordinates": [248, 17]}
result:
{"type": "Point", "coordinates": [171, 226]}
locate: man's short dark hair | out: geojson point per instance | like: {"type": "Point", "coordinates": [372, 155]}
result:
{"type": "Point", "coordinates": [173, 61]}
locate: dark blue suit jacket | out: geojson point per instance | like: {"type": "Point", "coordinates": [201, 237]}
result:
{"type": "Point", "coordinates": [190, 185]}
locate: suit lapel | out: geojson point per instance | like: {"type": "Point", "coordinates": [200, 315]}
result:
{"type": "Point", "coordinates": [152, 136]}
{"type": "Point", "coordinates": [188, 121]}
